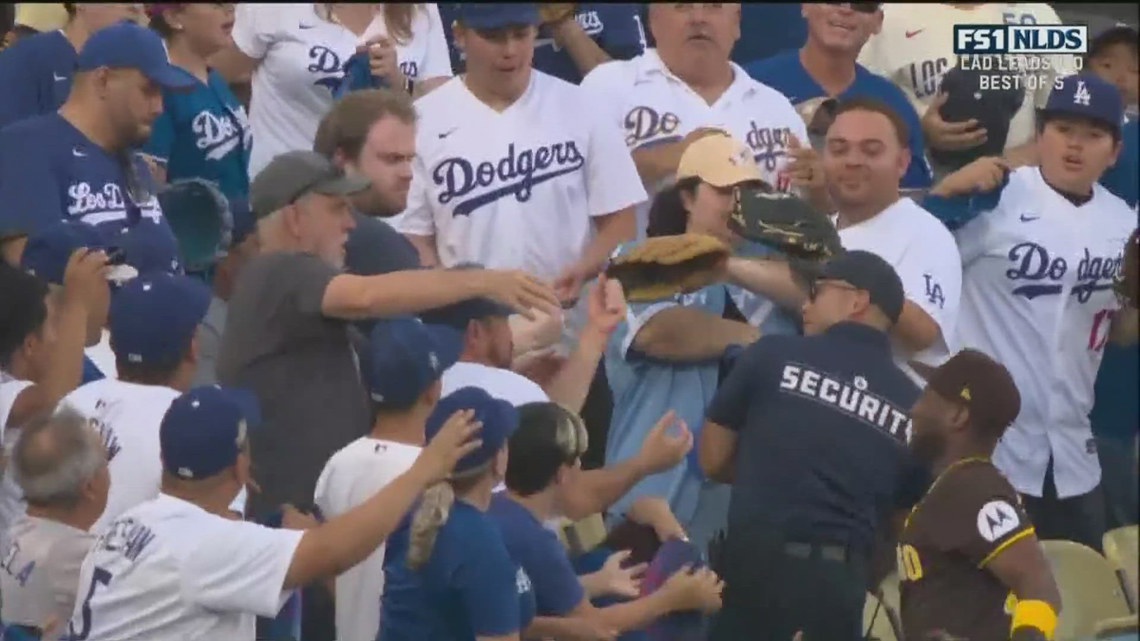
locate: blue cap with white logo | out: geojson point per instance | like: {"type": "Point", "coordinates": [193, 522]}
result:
{"type": "Point", "coordinates": [126, 45]}
{"type": "Point", "coordinates": [48, 250]}
{"type": "Point", "coordinates": [500, 419]}
{"type": "Point", "coordinates": [1086, 95]}
{"type": "Point", "coordinates": [406, 357]}
{"type": "Point", "coordinates": [204, 430]}
{"type": "Point", "coordinates": [153, 318]}
{"type": "Point", "coordinates": [486, 16]}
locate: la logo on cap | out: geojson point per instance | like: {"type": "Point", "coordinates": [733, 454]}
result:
{"type": "Point", "coordinates": [1082, 96]}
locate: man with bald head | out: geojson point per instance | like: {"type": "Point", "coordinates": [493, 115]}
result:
{"type": "Point", "coordinates": [60, 465]}
{"type": "Point", "coordinates": [78, 163]}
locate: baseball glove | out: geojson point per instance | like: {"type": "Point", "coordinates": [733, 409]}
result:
{"type": "Point", "coordinates": [663, 266]}
{"type": "Point", "coordinates": [1128, 281]}
{"type": "Point", "coordinates": [784, 222]}
{"type": "Point", "coordinates": [200, 217]}
{"type": "Point", "coordinates": [555, 12]}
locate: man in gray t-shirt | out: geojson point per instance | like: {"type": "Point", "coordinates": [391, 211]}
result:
{"type": "Point", "coordinates": [286, 335]}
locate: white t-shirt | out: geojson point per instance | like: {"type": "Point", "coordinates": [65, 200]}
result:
{"type": "Point", "coordinates": [353, 475]}
{"type": "Point", "coordinates": [915, 48]}
{"type": "Point", "coordinates": [649, 105]}
{"type": "Point", "coordinates": [499, 383]}
{"type": "Point", "coordinates": [924, 255]}
{"type": "Point", "coordinates": [1037, 297]}
{"type": "Point", "coordinates": [302, 59]}
{"type": "Point", "coordinates": [127, 417]}
{"type": "Point", "coordinates": [11, 496]}
{"type": "Point", "coordinates": [40, 571]}
{"type": "Point", "coordinates": [516, 189]}
{"type": "Point", "coordinates": [167, 570]}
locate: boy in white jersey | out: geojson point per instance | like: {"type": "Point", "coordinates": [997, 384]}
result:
{"type": "Point", "coordinates": [61, 466]}
{"type": "Point", "coordinates": [514, 167]}
{"type": "Point", "coordinates": [179, 567]}
{"type": "Point", "coordinates": [1041, 247]}
{"type": "Point", "coordinates": [661, 100]}
{"type": "Point", "coordinates": [866, 155]}
{"type": "Point", "coordinates": [154, 322]}
{"type": "Point", "coordinates": [407, 360]}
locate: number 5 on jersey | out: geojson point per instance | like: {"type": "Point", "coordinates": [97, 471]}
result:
{"type": "Point", "coordinates": [98, 577]}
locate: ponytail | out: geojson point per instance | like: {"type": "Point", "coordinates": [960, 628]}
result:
{"type": "Point", "coordinates": [432, 513]}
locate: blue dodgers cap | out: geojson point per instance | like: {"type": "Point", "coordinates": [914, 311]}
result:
{"type": "Point", "coordinates": [154, 317]}
{"type": "Point", "coordinates": [204, 430]}
{"type": "Point", "coordinates": [1086, 95]}
{"type": "Point", "coordinates": [48, 250]}
{"type": "Point", "coordinates": [407, 356]}
{"type": "Point", "coordinates": [150, 247]}
{"type": "Point", "coordinates": [485, 16]}
{"type": "Point", "coordinates": [673, 555]}
{"type": "Point", "coordinates": [500, 419]}
{"type": "Point", "coordinates": [126, 45]}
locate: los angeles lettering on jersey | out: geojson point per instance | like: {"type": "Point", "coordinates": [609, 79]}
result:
{"type": "Point", "coordinates": [851, 398]}
{"type": "Point", "coordinates": [520, 170]}
{"type": "Point", "coordinates": [1032, 262]}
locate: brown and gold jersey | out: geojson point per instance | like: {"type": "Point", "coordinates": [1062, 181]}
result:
{"type": "Point", "coordinates": [969, 515]}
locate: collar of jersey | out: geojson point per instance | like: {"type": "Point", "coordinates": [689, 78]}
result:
{"type": "Point", "coordinates": [858, 332]}
{"type": "Point", "coordinates": [649, 64]}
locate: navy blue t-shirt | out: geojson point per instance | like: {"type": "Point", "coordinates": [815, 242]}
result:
{"type": "Point", "coordinates": [822, 423]}
{"type": "Point", "coordinates": [36, 75]}
{"type": "Point", "coordinates": [537, 550]}
{"type": "Point", "coordinates": [619, 29]}
{"type": "Point", "coordinates": [50, 171]}
{"type": "Point", "coordinates": [469, 587]}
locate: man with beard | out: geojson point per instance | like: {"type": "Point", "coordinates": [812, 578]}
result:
{"type": "Point", "coordinates": [77, 163]}
{"type": "Point", "coordinates": [372, 134]}
{"type": "Point", "coordinates": [968, 555]}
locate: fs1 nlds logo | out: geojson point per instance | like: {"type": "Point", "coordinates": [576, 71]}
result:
{"type": "Point", "coordinates": [1025, 39]}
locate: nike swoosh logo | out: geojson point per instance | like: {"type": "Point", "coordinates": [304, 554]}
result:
{"type": "Point", "coordinates": [1026, 218]}
{"type": "Point", "coordinates": [78, 154]}
{"type": "Point", "coordinates": [58, 78]}
{"type": "Point", "coordinates": [447, 133]}
{"type": "Point", "coordinates": [911, 34]}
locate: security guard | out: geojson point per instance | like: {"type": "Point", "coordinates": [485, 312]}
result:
{"type": "Point", "coordinates": [811, 432]}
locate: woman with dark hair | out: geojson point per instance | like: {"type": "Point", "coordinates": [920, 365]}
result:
{"type": "Point", "coordinates": [296, 56]}
{"type": "Point", "coordinates": [546, 457]}
{"type": "Point", "coordinates": [202, 133]}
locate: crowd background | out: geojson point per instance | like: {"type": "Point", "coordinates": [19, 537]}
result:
{"type": "Point", "coordinates": [280, 111]}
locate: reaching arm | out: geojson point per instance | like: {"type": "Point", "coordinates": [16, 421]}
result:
{"type": "Point", "coordinates": [1022, 567]}
{"type": "Point", "coordinates": [571, 384]}
{"type": "Point", "coordinates": [772, 279]}
{"type": "Point", "coordinates": [916, 330]}
{"type": "Point", "coordinates": [658, 162]}
{"type": "Point", "coordinates": [682, 334]}
{"type": "Point", "coordinates": [65, 365]}
{"type": "Point", "coordinates": [717, 453]}
{"type": "Point", "coordinates": [581, 48]}
{"type": "Point", "coordinates": [1125, 327]}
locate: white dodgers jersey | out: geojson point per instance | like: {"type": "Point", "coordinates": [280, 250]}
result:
{"type": "Point", "coordinates": [650, 106]}
{"type": "Point", "coordinates": [167, 570]}
{"type": "Point", "coordinates": [127, 417]}
{"type": "Point", "coordinates": [516, 189]}
{"type": "Point", "coordinates": [1037, 296]}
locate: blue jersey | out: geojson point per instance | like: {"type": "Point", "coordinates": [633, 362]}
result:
{"type": "Point", "coordinates": [1123, 178]}
{"type": "Point", "coordinates": [644, 389]}
{"type": "Point", "coordinates": [203, 133]}
{"type": "Point", "coordinates": [36, 76]}
{"type": "Point", "coordinates": [768, 29]}
{"type": "Point", "coordinates": [618, 29]}
{"type": "Point", "coordinates": [468, 588]}
{"type": "Point", "coordinates": [537, 550]}
{"type": "Point", "coordinates": [50, 171]}
{"type": "Point", "coordinates": [786, 74]}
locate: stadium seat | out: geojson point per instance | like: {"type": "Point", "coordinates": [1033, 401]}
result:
{"type": "Point", "coordinates": [876, 622]}
{"type": "Point", "coordinates": [584, 535]}
{"type": "Point", "coordinates": [1122, 629]}
{"type": "Point", "coordinates": [892, 601]}
{"type": "Point", "coordinates": [1121, 548]}
{"type": "Point", "coordinates": [1090, 590]}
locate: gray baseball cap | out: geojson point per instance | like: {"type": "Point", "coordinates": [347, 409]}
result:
{"type": "Point", "coordinates": [296, 173]}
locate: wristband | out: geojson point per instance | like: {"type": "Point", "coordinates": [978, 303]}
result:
{"type": "Point", "coordinates": [1035, 614]}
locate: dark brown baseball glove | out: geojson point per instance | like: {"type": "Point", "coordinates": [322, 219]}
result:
{"type": "Point", "coordinates": [663, 266]}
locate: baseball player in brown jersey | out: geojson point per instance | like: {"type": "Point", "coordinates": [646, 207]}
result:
{"type": "Point", "coordinates": [968, 557]}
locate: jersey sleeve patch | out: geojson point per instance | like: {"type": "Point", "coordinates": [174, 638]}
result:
{"type": "Point", "coordinates": [996, 520]}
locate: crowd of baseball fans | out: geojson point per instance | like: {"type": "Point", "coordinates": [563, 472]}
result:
{"type": "Point", "coordinates": [306, 332]}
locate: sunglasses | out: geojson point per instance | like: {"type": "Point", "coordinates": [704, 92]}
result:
{"type": "Point", "coordinates": [817, 286]}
